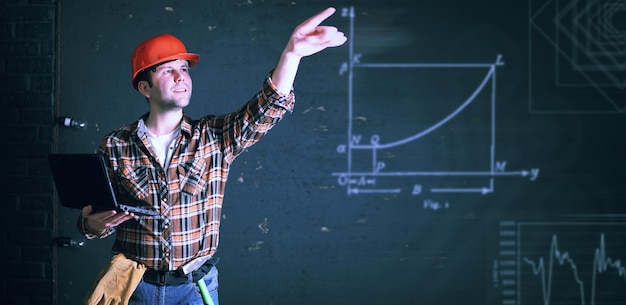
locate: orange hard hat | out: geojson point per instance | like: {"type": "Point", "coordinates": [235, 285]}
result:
{"type": "Point", "coordinates": [156, 50]}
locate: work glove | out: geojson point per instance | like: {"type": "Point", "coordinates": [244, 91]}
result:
{"type": "Point", "coordinates": [116, 282]}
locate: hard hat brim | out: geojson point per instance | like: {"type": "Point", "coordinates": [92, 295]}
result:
{"type": "Point", "coordinates": [192, 58]}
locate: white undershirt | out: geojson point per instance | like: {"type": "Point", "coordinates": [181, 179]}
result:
{"type": "Point", "coordinates": [163, 145]}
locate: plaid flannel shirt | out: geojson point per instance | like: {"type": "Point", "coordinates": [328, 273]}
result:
{"type": "Point", "coordinates": [188, 193]}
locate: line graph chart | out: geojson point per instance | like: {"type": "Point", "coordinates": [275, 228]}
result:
{"type": "Point", "coordinates": [429, 117]}
{"type": "Point", "coordinates": [562, 263]}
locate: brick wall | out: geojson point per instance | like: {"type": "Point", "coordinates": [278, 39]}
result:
{"type": "Point", "coordinates": [27, 96]}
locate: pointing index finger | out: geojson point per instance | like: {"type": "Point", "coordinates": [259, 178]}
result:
{"type": "Point", "coordinates": [319, 18]}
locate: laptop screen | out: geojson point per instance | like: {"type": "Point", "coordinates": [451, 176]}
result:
{"type": "Point", "coordinates": [81, 180]}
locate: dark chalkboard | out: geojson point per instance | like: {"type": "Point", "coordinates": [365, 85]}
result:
{"type": "Point", "coordinates": [457, 152]}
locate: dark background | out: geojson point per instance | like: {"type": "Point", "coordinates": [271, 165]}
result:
{"type": "Point", "coordinates": [292, 232]}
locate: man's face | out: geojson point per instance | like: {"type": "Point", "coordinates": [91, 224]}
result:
{"type": "Point", "coordinates": [171, 85]}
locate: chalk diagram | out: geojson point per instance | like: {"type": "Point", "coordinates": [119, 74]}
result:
{"type": "Point", "coordinates": [571, 263]}
{"type": "Point", "coordinates": [577, 56]}
{"type": "Point", "coordinates": [379, 153]}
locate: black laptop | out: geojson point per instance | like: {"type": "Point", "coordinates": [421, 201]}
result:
{"type": "Point", "coordinates": [82, 179]}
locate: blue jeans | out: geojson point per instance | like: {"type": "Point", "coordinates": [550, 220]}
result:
{"type": "Point", "coordinates": [186, 294]}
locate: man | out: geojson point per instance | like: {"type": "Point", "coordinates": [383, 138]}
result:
{"type": "Point", "coordinates": [177, 166]}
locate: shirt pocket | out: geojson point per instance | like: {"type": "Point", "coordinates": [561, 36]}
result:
{"type": "Point", "coordinates": [191, 176]}
{"type": "Point", "coordinates": [136, 180]}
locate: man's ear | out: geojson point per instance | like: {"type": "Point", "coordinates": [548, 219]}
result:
{"type": "Point", "coordinates": [144, 88]}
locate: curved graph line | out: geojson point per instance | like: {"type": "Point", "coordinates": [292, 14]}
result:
{"type": "Point", "coordinates": [601, 264]}
{"type": "Point", "coordinates": [437, 125]}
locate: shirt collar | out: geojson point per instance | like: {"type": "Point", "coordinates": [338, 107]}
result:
{"type": "Point", "coordinates": [185, 125]}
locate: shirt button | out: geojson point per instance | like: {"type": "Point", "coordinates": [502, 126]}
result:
{"type": "Point", "coordinates": [165, 227]}
{"type": "Point", "coordinates": [164, 200]}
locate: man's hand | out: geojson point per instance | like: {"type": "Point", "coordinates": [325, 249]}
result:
{"type": "Point", "coordinates": [97, 223]}
{"type": "Point", "coordinates": [309, 37]}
